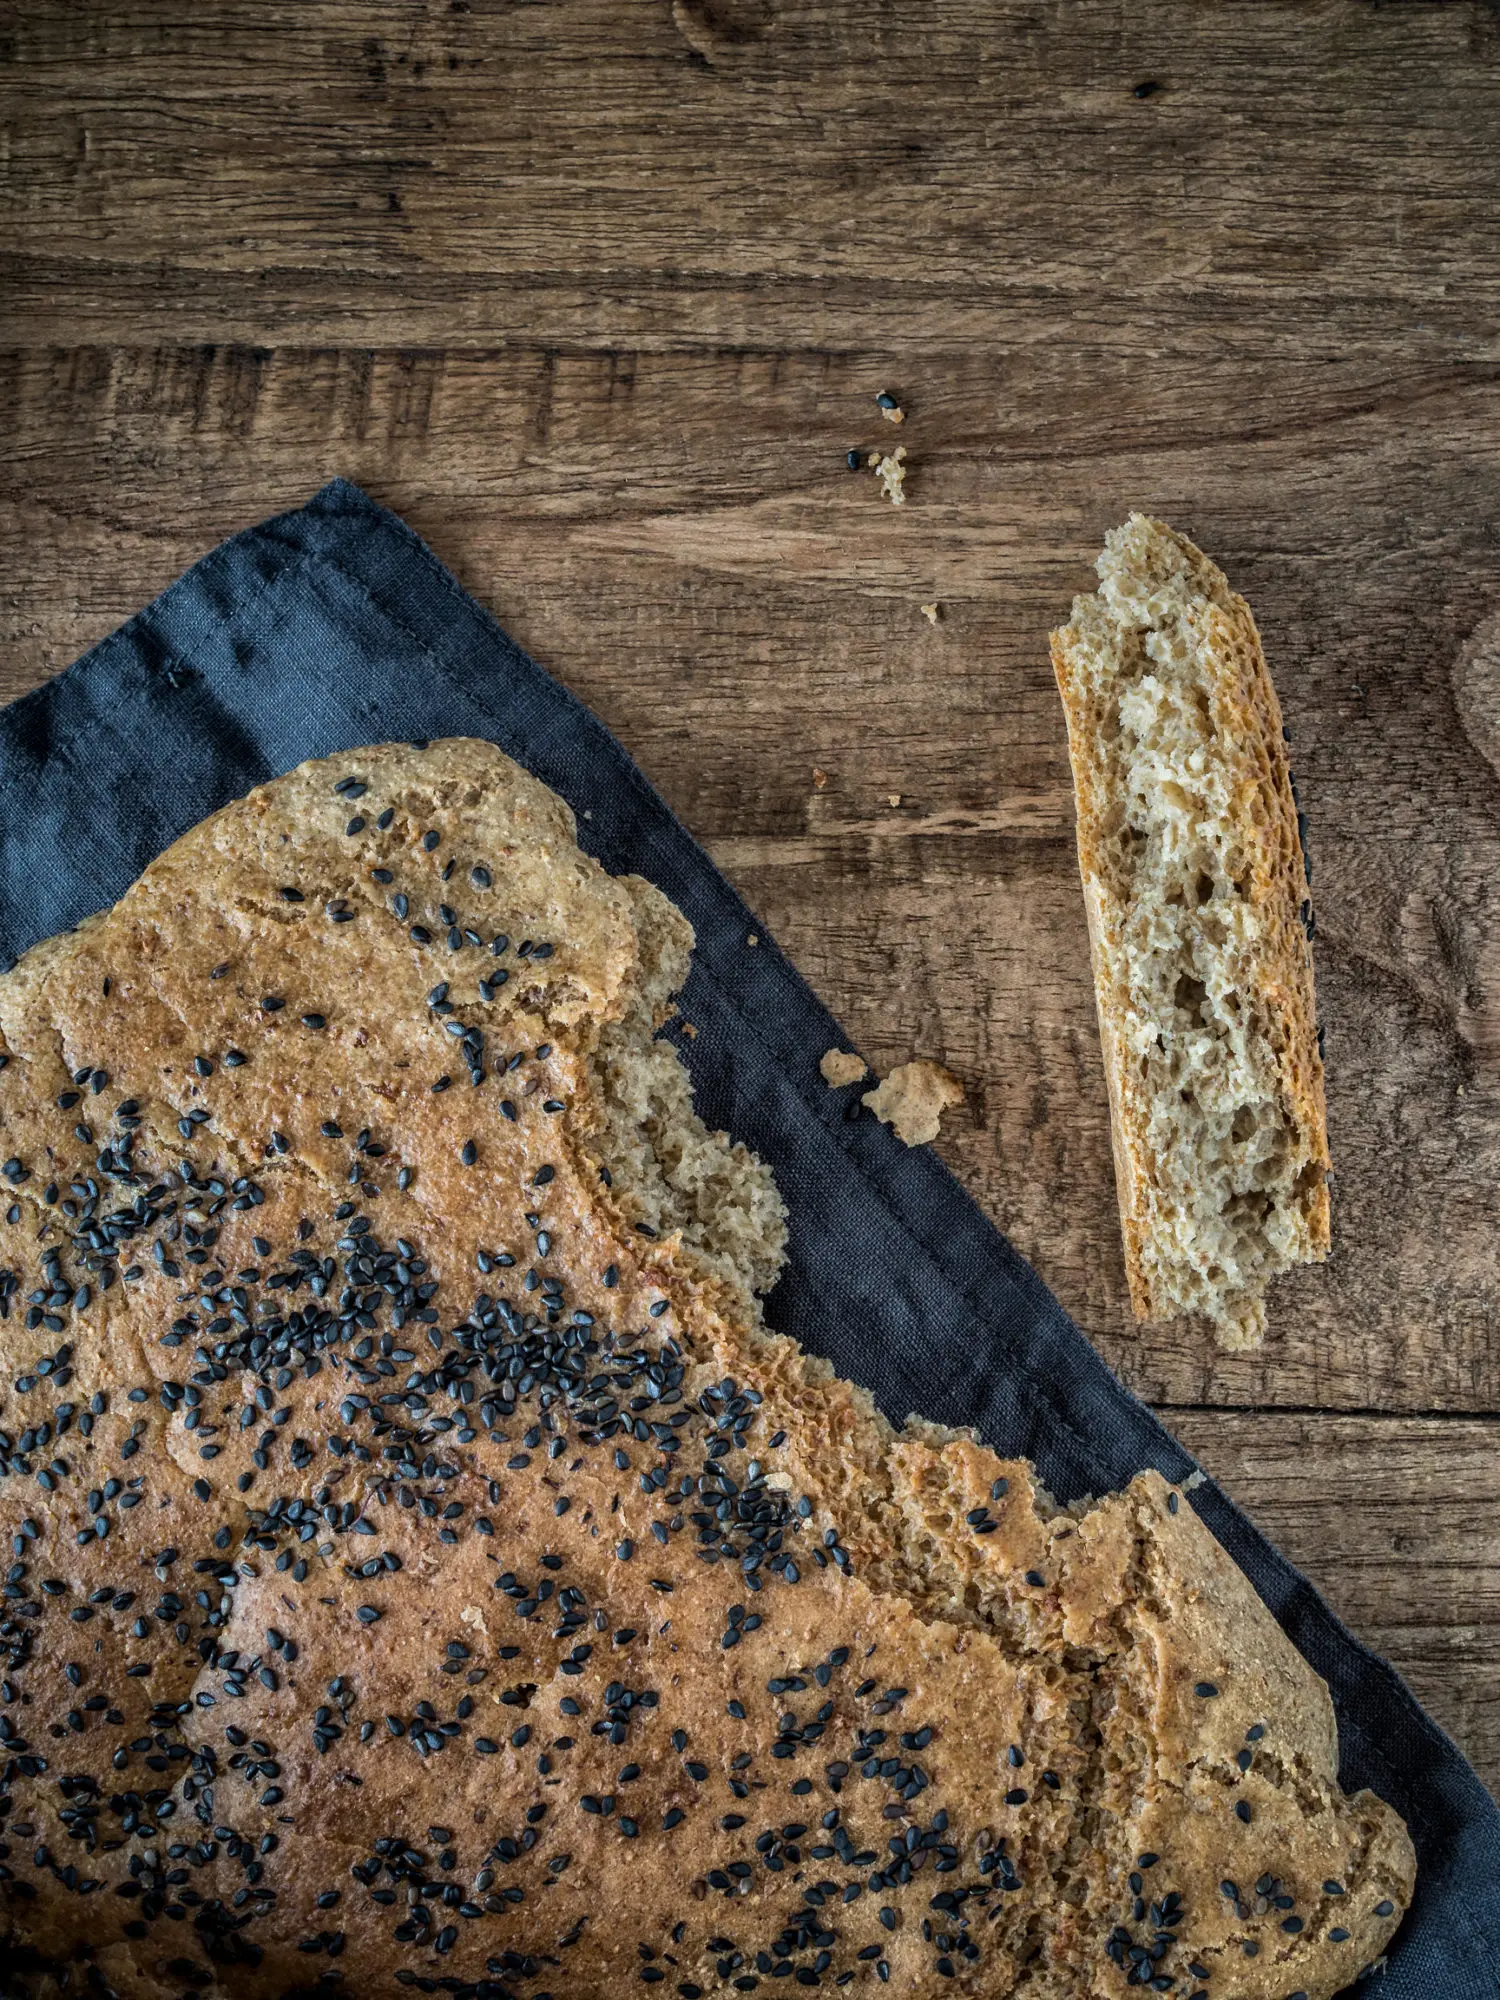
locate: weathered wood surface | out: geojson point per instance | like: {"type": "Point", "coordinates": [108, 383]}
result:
{"type": "Point", "coordinates": [598, 296]}
{"type": "Point", "coordinates": [1388, 1517]}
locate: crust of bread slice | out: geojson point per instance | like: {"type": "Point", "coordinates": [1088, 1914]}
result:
{"type": "Point", "coordinates": [1156, 583]}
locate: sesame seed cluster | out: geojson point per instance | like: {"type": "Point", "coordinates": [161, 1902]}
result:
{"type": "Point", "coordinates": [424, 1569]}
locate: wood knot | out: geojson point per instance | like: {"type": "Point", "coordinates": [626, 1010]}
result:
{"type": "Point", "coordinates": [714, 29]}
{"type": "Point", "coordinates": [1476, 689]}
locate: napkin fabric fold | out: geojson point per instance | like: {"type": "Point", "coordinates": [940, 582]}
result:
{"type": "Point", "coordinates": [334, 626]}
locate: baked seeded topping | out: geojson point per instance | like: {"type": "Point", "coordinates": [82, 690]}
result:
{"type": "Point", "coordinates": [366, 1452]}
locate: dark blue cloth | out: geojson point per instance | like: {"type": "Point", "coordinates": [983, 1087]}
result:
{"type": "Point", "coordinates": [334, 626]}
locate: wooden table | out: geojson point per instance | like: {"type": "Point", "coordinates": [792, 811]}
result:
{"type": "Point", "coordinates": [598, 293]}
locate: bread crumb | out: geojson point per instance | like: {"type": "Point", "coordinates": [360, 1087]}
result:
{"type": "Point", "coordinates": [913, 1098]}
{"type": "Point", "coordinates": [893, 798]}
{"type": "Point", "coordinates": [752, 940]}
{"type": "Point", "coordinates": [820, 779]}
{"type": "Point", "coordinates": [1196, 1478]}
{"type": "Point", "coordinates": [930, 613]}
{"type": "Point", "coordinates": [890, 469]}
{"type": "Point", "coordinates": [690, 1031]}
{"type": "Point", "coordinates": [841, 1066]}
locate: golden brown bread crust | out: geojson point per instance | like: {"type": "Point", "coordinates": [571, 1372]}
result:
{"type": "Point", "coordinates": [1245, 718]}
{"type": "Point", "coordinates": [425, 1575]}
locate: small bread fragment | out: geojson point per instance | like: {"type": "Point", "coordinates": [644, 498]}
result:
{"type": "Point", "coordinates": [889, 467]}
{"type": "Point", "coordinates": [1196, 887]}
{"type": "Point", "coordinates": [841, 1066]}
{"type": "Point", "coordinates": [913, 1098]}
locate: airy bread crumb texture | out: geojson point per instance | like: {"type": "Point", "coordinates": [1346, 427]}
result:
{"type": "Point", "coordinates": [1196, 889]}
{"type": "Point", "coordinates": [678, 1175]}
{"type": "Point", "coordinates": [913, 1098]}
{"type": "Point", "coordinates": [889, 467]}
{"type": "Point", "coordinates": [841, 1066]}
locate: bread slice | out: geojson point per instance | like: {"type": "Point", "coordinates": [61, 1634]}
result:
{"type": "Point", "coordinates": [1200, 922]}
{"type": "Point", "coordinates": [428, 1570]}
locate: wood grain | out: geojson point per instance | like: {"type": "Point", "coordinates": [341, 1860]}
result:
{"type": "Point", "coordinates": [599, 295]}
{"type": "Point", "coordinates": [408, 171]}
{"type": "Point", "coordinates": [1398, 1524]}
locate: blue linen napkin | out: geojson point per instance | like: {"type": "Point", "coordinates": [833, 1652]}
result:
{"type": "Point", "coordinates": [334, 626]}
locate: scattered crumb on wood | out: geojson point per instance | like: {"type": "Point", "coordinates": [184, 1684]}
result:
{"type": "Point", "coordinates": [820, 779]}
{"type": "Point", "coordinates": [893, 798]}
{"type": "Point", "coordinates": [895, 415]}
{"type": "Point", "coordinates": [841, 1066]}
{"type": "Point", "coordinates": [930, 613]}
{"type": "Point", "coordinates": [890, 469]}
{"type": "Point", "coordinates": [913, 1098]}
